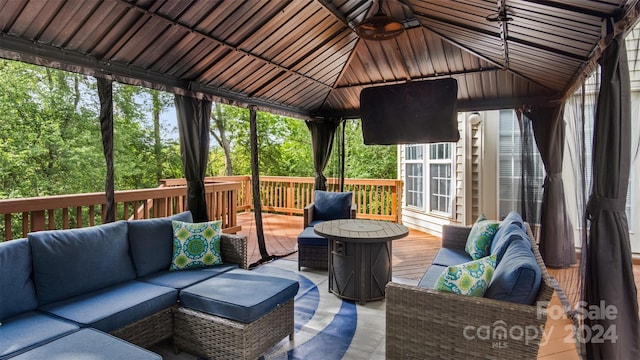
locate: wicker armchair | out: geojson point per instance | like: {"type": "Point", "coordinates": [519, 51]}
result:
{"type": "Point", "coordinates": [427, 324]}
{"type": "Point", "coordinates": [313, 250]}
{"type": "Point", "coordinates": [308, 214]}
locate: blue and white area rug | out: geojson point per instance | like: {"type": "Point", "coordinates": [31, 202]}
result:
{"type": "Point", "coordinates": [327, 327]}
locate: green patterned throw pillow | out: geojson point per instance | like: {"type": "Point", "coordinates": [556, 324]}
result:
{"type": "Point", "coordinates": [471, 278]}
{"type": "Point", "coordinates": [480, 237]}
{"type": "Point", "coordinates": [196, 245]}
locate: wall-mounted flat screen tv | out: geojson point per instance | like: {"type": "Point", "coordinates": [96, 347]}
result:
{"type": "Point", "coordinates": [418, 112]}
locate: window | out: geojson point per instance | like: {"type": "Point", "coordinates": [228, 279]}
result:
{"type": "Point", "coordinates": [414, 175]}
{"type": "Point", "coordinates": [441, 177]}
{"type": "Point", "coordinates": [431, 174]}
{"type": "Point", "coordinates": [510, 169]}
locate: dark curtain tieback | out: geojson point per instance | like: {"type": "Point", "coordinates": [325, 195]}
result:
{"type": "Point", "coordinates": [598, 203]}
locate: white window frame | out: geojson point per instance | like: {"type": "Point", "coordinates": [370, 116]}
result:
{"type": "Point", "coordinates": [424, 161]}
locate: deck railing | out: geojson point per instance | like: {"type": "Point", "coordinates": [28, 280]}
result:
{"type": "Point", "coordinates": [226, 195]}
{"type": "Point", "coordinates": [25, 215]}
{"type": "Point", "coordinates": [375, 198]}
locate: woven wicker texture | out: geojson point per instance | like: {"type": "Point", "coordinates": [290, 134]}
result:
{"type": "Point", "coordinates": [218, 338]}
{"type": "Point", "coordinates": [148, 331]}
{"type": "Point", "coordinates": [313, 256]}
{"type": "Point", "coordinates": [426, 324]}
{"type": "Point", "coordinates": [234, 249]}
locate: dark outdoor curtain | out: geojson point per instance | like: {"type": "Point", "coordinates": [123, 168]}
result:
{"type": "Point", "coordinates": [105, 93]}
{"type": "Point", "coordinates": [321, 143]}
{"type": "Point", "coordinates": [193, 125]}
{"type": "Point", "coordinates": [255, 186]}
{"type": "Point", "coordinates": [609, 275]}
{"type": "Point", "coordinates": [529, 187]}
{"type": "Point", "coordinates": [557, 246]}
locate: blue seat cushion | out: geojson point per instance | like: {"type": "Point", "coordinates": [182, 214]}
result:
{"type": "Point", "coordinates": [16, 286]}
{"type": "Point", "coordinates": [517, 277]}
{"type": "Point", "coordinates": [448, 257]}
{"type": "Point", "coordinates": [315, 222]}
{"type": "Point", "coordinates": [184, 278]}
{"type": "Point", "coordinates": [89, 344]}
{"type": "Point", "coordinates": [112, 308]}
{"type": "Point", "coordinates": [67, 263]}
{"type": "Point", "coordinates": [29, 330]}
{"type": "Point", "coordinates": [151, 242]}
{"type": "Point", "coordinates": [503, 240]}
{"type": "Point", "coordinates": [332, 205]}
{"type": "Point", "coordinates": [310, 238]}
{"type": "Point", "coordinates": [431, 276]}
{"type": "Point", "coordinates": [239, 295]}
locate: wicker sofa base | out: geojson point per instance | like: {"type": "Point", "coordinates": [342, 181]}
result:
{"type": "Point", "coordinates": [218, 338]}
{"type": "Point", "coordinates": [316, 257]}
{"type": "Point", "coordinates": [150, 330]}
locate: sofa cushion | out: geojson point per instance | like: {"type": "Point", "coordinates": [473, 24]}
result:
{"type": "Point", "coordinates": [31, 329]}
{"type": "Point", "coordinates": [471, 278]}
{"type": "Point", "coordinates": [196, 245]}
{"type": "Point", "coordinates": [480, 237]}
{"type": "Point", "coordinates": [517, 278]}
{"type": "Point", "coordinates": [114, 307]}
{"type": "Point", "coordinates": [184, 278]}
{"type": "Point", "coordinates": [239, 295]}
{"type": "Point", "coordinates": [332, 205]}
{"type": "Point", "coordinates": [151, 242]}
{"type": "Point", "coordinates": [71, 262]}
{"type": "Point", "coordinates": [310, 238]}
{"type": "Point", "coordinates": [16, 286]}
{"type": "Point", "coordinates": [89, 344]}
{"type": "Point", "coordinates": [431, 276]}
{"type": "Point", "coordinates": [503, 239]}
{"type": "Point", "coordinates": [449, 256]}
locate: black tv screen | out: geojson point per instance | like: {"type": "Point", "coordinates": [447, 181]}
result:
{"type": "Point", "coordinates": [419, 112]}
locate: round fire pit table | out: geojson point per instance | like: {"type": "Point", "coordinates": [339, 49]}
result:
{"type": "Point", "coordinates": [360, 256]}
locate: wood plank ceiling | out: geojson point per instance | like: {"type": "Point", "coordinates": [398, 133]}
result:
{"type": "Point", "coordinates": [303, 58]}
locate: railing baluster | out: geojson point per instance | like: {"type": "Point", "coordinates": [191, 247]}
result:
{"type": "Point", "coordinates": [8, 234]}
{"type": "Point", "coordinates": [65, 218]}
{"type": "Point", "coordinates": [51, 220]}
{"type": "Point", "coordinates": [92, 214]}
{"type": "Point", "coordinates": [25, 223]}
{"type": "Point", "coordinates": [79, 217]}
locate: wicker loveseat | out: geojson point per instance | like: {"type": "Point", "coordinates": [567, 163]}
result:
{"type": "Point", "coordinates": [422, 323]}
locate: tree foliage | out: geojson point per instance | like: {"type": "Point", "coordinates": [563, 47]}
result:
{"type": "Point", "coordinates": [50, 140]}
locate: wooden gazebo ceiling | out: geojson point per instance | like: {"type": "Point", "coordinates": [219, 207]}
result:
{"type": "Point", "coordinates": [303, 58]}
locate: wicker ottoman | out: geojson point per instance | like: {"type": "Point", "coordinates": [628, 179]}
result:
{"type": "Point", "coordinates": [313, 250]}
{"type": "Point", "coordinates": [236, 315]}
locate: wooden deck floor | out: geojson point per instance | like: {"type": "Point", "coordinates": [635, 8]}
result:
{"type": "Point", "coordinates": [411, 257]}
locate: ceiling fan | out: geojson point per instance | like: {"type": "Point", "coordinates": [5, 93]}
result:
{"type": "Point", "coordinates": [379, 27]}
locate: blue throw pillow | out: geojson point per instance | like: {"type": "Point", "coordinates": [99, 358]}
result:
{"type": "Point", "coordinates": [151, 242]}
{"type": "Point", "coordinates": [503, 238]}
{"type": "Point", "coordinates": [518, 276]}
{"type": "Point", "coordinates": [332, 205]}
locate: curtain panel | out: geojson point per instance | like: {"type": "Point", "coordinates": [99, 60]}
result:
{"type": "Point", "coordinates": [193, 126]}
{"type": "Point", "coordinates": [557, 245]}
{"type": "Point", "coordinates": [105, 93]}
{"type": "Point", "coordinates": [609, 279]}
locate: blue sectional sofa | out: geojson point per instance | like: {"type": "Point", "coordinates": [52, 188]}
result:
{"type": "Point", "coordinates": [114, 278]}
{"type": "Point", "coordinates": [506, 322]}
